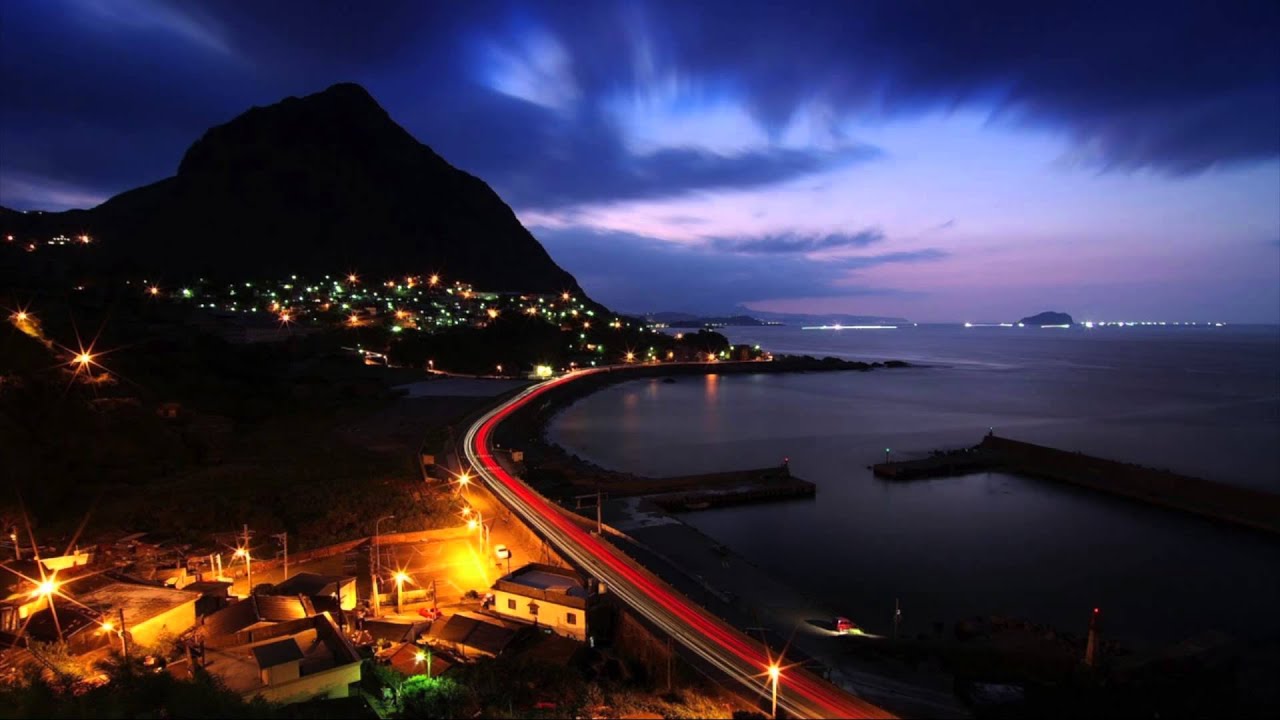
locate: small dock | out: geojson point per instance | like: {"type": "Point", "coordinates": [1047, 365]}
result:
{"type": "Point", "coordinates": [1228, 503]}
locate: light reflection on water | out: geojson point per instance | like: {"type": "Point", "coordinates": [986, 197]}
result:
{"type": "Point", "coordinates": [989, 543]}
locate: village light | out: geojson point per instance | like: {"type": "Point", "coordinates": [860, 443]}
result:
{"type": "Point", "coordinates": [45, 588]}
{"type": "Point", "coordinates": [400, 578]}
{"type": "Point", "coordinates": [153, 291]}
{"type": "Point", "coordinates": [434, 280]}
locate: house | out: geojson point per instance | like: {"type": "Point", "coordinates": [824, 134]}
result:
{"type": "Point", "coordinates": [254, 619]}
{"type": "Point", "coordinates": [214, 595]}
{"type": "Point", "coordinates": [313, 660]}
{"type": "Point", "coordinates": [149, 612]}
{"type": "Point", "coordinates": [326, 592]}
{"type": "Point", "coordinates": [472, 635]}
{"type": "Point", "coordinates": [546, 596]}
{"type": "Point", "coordinates": [409, 659]}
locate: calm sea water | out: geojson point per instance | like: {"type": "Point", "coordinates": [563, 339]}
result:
{"type": "Point", "coordinates": [1203, 401]}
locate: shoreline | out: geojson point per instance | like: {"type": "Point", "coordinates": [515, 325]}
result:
{"type": "Point", "coordinates": [707, 571]}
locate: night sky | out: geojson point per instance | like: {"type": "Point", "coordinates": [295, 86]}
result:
{"type": "Point", "coordinates": [935, 160]}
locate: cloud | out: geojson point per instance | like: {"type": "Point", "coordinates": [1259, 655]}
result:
{"type": "Point", "coordinates": [643, 274]}
{"type": "Point", "coordinates": [180, 20]}
{"type": "Point", "coordinates": [536, 69]}
{"type": "Point", "coordinates": [794, 243]}
{"type": "Point", "coordinates": [23, 191]}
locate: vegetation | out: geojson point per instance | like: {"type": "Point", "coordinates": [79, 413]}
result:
{"type": "Point", "coordinates": [125, 689]}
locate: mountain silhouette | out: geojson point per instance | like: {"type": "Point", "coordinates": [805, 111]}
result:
{"type": "Point", "coordinates": [326, 183]}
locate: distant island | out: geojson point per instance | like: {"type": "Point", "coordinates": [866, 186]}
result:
{"type": "Point", "coordinates": [1048, 318]}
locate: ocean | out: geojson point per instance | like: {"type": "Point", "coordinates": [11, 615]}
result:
{"type": "Point", "coordinates": [1199, 400]}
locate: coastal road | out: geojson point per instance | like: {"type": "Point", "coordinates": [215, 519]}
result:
{"type": "Point", "coordinates": [800, 693]}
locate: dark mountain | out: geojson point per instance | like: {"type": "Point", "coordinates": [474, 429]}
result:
{"type": "Point", "coordinates": [325, 183]}
{"type": "Point", "coordinates": [1048, 318]}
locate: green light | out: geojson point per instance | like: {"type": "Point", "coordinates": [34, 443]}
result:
{"type": "Point", "coordinates": [186, 292]}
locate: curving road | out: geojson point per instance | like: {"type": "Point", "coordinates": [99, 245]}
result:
{"type": "Point", "coordinates": [801, 693]}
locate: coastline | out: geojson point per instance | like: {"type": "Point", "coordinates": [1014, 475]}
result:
{"type": "Point", "coordinates": [707, 571]}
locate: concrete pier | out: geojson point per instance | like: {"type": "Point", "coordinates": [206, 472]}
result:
{"type": "Point", "coordinates": [1227, 503]}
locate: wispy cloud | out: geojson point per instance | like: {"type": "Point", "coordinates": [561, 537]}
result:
{"type": "Point", "coordinates": [24, 191]}
{"type": "Point", "coordinates": [182, 20]}
{"type": "Point", "coordinates": [788, 243]}
{"type": "Point", "coordinates": [537, 69]}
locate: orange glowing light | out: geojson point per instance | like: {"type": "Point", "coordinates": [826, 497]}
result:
{"type": "Point", "coordinates": [153, 291]}
{"type": "Point", "coordinates": [83, 358]}
{"type": "Point", "coordinates": [286, 317]}
{"type": "Point", "coordinates": [565, 297]}
{"type": "Point", "coordinates": [21, 316]}
{"type": "Point", "coordinates": [401, 314]}
{"type": "Point", "coordinates": [472, 524]}
{"type": "Point", "coordinates": [631, 357]}
{"type": "Point", "coordinates": [353, 278]}
{"type": "Point", "coordinates": [401, 578]}
{"type": "Point", "coordinates": [492, 313]}
{"type": "Point", "coordinates": [434, 280]}
{"type": "Point", "coordinates": [45, 589]}
{"type": "Point", "coordinates": [108, 626]}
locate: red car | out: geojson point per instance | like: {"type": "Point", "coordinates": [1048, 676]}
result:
{"type": "Point", "coordinates": [845, 626]}
{"type": "Point", "coordinates": [432, 613]}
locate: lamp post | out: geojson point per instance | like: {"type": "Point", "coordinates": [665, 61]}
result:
{"type": "Point", "coordinates": [886, 455]}
{"type": "Point", "coordinates": [774, 673]}
{"type": "Point", "coordinates": [377, 542]}
{"type": "Point", "coordinates": [401, 577]}
{"type": "Point", "coordinates": [424, 656]}
{"type": "Point", "coordinates": [248, 567]}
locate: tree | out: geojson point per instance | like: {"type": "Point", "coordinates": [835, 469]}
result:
{"type": "Point", "coordinates": [438, 697]}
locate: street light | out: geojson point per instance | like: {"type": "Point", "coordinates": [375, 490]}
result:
{"type": "Point", "coordinates": [420, 657]}
{"type": "Point", "coordinates": [377, 543]}
{"type": "Point", "coordinates": [400, 578]}
{"type": "Point", "coordinates": [774, 673]}
{"type": "Point", "coordinates": [248, 566]}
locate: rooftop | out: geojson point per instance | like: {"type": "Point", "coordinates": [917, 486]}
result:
{"type": "Point", "coordinates": [547, 582]}
{"type": "Point", "coordinates": [310, 584]}
{"type": "Point", "coordinates": [277, 653]}
{"type": "Point", "coordinates": [139, 602]}
{"type": "Point", "coordinates": [319, 648]}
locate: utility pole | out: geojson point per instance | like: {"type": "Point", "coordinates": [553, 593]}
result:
{"type": "Point", "coordinates": [284, 540]}
{"type": "Point", "coordinates": [124, 641]}
{"type": "Point", "coordinates": [248, 562]}
{"type": "Point", "coordinates": [17, 547]}
{"type": "Point", "coordinates": [668, 664]}
{"type": "Point", "coordinates": [897, 617]}
{"type": "Point", "coordinates": [1091, 647]}
{"type": "Point", "coordinates": [373, 581]}
{"type": "Point", "coordinates": [599, 512]}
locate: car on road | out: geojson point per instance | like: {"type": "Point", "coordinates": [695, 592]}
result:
{"type": "Point", "coordinates": [845, 626]}
{"type": "Point", "coordinates": [501, 551]}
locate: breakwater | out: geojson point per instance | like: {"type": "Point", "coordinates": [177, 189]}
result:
{"type": "Point", "coordinates": [1227, 503]}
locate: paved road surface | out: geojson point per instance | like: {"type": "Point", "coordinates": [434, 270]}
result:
{"type": "Point", "coordinates": [801, 693]}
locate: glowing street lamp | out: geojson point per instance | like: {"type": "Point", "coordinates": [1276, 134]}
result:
{"type": "Point", "coordinates": [775, 672]}
{"type": "Point", "coordinates": [248, 566]}
{"type": "Point", "coordinates": [420, 657]}
{"type": "Point", "coordinates": [21, 316]}
{"type": "Point", "coordinates": [353, 278]}
{"type": "Point", "coordinates": [433, 280]}
{"type": "Point", "coordinates": [401, 578]}
{"type": "Point", "coordinates": [45, 588]}
{"type": "Point", "coordinates": [153, 291]}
